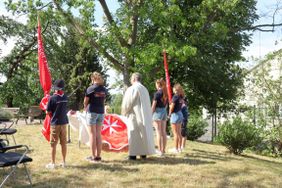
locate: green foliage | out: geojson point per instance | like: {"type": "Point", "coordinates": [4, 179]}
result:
{"type": "Point", "coordinates": [238, 135]}
{"type": "Point", "coordinates": [204, 39]}
{"type": "Point", "coordinates": [5, 115]}
{"type": "Point", "coordinates": [69, 57]}
{"type": "Point", "coordinates": [116, 103]}
{"type": "Point", "coordinates": [264, 85]}
{"type": "Point", "coordinates": [196, 127]}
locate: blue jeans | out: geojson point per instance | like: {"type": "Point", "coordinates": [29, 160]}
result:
{"type": "Point", "coordinates": [93, 118]}
{"type": "Point", "coordinates": [176, 117]}
{"type": "Point", "coordinates": [160, 114]}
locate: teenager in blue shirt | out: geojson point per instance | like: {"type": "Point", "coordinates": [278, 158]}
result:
{"type": "Point", "coordinates": [57, 107]}
{"type": "Point", "coordinates": [159, 106]}
{"type": "Point", "coordinates": [176, 116]}
{"type": "Point", "coordinates": [94, 105]}
{"type": "Point", "coordinates": [184, 130]}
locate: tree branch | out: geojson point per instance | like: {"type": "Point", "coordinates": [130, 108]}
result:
{"type": "Point", "coordinates": [259, 27]}
{"type": "Point", "coordinates": [110, 19]}
{"type": "Point", "coordinates": [81, 31]}
{"type": "Point", "coordinates": [23, 54]}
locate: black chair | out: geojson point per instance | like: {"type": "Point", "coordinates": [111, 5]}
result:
{"type": "Point", "coordinates": [13, 159]}
{"type": "Point", "coordinates": [8, 131]}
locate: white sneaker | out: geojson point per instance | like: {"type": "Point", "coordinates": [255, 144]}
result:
{"type": "Point", "coordinates": [173, 150]}
{"type": "Point", "coordinates": [158, 152]}
{"type": "Point", "coordinates": [63, 164]}
{"type": "Point", "coordinates": [50, 166]}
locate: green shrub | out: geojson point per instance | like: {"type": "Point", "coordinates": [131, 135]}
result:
{"type": "Point", "coordinates": [238, 135]}
{"type": "Point", "coordinates": [196, 127]}
{"type": "Point", "coordinates": [5, 115]}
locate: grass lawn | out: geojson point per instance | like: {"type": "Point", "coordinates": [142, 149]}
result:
{"type": "Point", "coordinates": [200, 165]}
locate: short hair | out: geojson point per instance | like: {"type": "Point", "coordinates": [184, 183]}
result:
{"type": "Point", "coordinates": [136, 76]}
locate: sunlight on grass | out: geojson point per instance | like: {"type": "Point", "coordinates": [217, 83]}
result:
{"type": "Point", "coordinates": [200, 165]}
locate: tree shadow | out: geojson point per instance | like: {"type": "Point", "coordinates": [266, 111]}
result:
{"type": "Point", "coordinates": [211, 155]}
{"type": "Point", "coordinates": [261, 160]}
{"type": "Point", "coordinates": [105, 165]}
{"type": "Point", "coordinates": [168, 160]}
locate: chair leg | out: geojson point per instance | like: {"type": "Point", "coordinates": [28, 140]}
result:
{"type": "Point", "coordinates": [7, 177]}
{"type": "Point", "coordinates": [28, 175]}
{"type": "Point", "coordinates": [14, 139]}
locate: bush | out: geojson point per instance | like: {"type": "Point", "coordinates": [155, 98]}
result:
{"type": "Point", "coordinates": [5, 115]}
{"type": "Point", "coordinates": [238, 135]}
{"type": "Point", "coordinates": [196, 127]}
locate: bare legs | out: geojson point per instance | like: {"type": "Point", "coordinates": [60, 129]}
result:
{"type": "Point", "coordinates": [176, 128]}
{"type": "Point", "coordinates": [98, 140]}
{"type": "Point", "coordinates": [95, 140]}
{"type": "Point", "coordinates": [161, 135]}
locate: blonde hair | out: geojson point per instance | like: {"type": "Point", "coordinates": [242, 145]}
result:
{"type": "Point", "coordinates": [179, 90]}
{"type": "Point", "coordinates": [97, 78]}
{"type": "Point", "coordinates": [161, 83]}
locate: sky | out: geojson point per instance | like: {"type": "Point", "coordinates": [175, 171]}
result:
{"type": "Point", "coordinates": [262, 42]}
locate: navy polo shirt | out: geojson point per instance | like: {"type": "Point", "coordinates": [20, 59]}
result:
{"type": "Point", "coordinates": [97, 95]}
{"type": "Point", "coordinates": [185, 113]}
{"type": "Point", "coordinates": [57, 105]}
{"type": "Point", "coordinates": [177, 100]}
{"type": "Point", "coordinates": [158, 97]}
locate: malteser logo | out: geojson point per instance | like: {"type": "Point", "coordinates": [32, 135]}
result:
{"type": "Point", "coordinates": [100, 94]}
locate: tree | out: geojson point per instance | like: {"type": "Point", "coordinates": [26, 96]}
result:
{"type": "Point", "coordinates": [203, 38]}
{"type": "Point", "coordinates": [69, 58]}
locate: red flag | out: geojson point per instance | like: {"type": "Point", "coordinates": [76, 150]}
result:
{"type": "Point", "coordinates": [114, 133]}
{"type": "Point", "coordinates": [44, 73]}
{"type": "Point", "coordinates": [45, 81]}
{"type": "Point", "coordinates": [167, 77]}
{"type": "Point", "coordinates": [46, 128]}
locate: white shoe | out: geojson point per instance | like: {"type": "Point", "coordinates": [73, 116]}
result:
{"type": "Point", "coordinates": [50, 166]}
{"type": "Point", "coordinates": [63, 164]}
{"type": "Point", "coordinates": [173, 150]}
{"type": "Point", "coordinates": [158, 152]}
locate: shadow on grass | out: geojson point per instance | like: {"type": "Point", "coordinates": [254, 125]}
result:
{"type": "Point", "coordinates": [211, 155]}
{"type": "Point", "coordinates": [262, 160]}
{"type": "Point", "coordinates": [105, 166]}
{"type": "Point", "coordinates": [168, 160]}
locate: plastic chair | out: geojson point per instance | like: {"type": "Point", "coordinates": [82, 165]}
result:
{"type": "Point", "coordinates": [8, 131]}
{"type": "Point", "coordinates": [13, 159]}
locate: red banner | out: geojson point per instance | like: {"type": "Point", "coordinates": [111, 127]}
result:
{"type": "Point", "coordinates": [44, 73]}
{"type": "Point", "coordinates": [45, 81]}
{"type": "Point", "coordinates": [114, 133]}
{"type": "Point", "coordinates": [167, 77]}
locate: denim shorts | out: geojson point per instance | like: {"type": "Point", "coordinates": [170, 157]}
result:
{"type": "Point", "coordinates": [160, 114]}
{"type": "Point", "coordinates": [176, 117]}
{"type": "Point", "coordinates": [93, 118]}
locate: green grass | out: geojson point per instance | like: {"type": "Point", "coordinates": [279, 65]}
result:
{"type": "Point", "coordinates": [200, 165]}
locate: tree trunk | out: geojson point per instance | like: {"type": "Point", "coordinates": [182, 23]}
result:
{"type": "Point", "coordinates": [126, 77]}
{"type": "Point", "coordinates": [9, 102]}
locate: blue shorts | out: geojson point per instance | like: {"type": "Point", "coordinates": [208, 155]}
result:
{"type": "Point", "coordinates": [176, 117]}
{"type": "Point", "coordinates": [160, 114]}
{"type": "Point", "coordinates": [93, 118]}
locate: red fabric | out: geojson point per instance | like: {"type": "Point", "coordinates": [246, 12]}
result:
{"type": "Point", "coordinates": [45, 81]}
{"type": "Point", "coordinates": [59, 92]}
{"type": "Point", "coordinates": [44, 73]}
{"type": "Point", "coordinates": [167, 77]}
{"type": "Point", "coordinates": [46, 127]}
{"type": "Point", "coordinates": [114, 134]}
{"type": "Point", "coordinates": [44, 102]}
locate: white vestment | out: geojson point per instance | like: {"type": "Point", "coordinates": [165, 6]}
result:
{"type": "Point", "coordinates": [136, 106]}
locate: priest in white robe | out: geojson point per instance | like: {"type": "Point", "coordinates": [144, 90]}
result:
{"type": "Point", "coordinates": [136, 106]}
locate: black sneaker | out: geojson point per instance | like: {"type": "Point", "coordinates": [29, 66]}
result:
{"type": "Point", "coordinates": [97, 159]}
{"type": "Point", "coordinates": [143, 156]}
